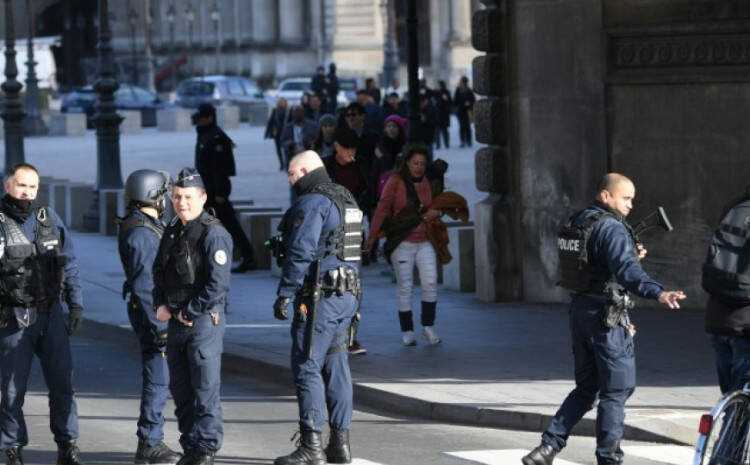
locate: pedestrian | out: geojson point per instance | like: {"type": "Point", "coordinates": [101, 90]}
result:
{"type": "Point", "coordinates": [426, 125]}
{"type": "Point", "coordinates": [394, 106]}
{"type": "Point", "coordinates": [191, 284]}
{"type": "Point", "coordinates": [373, 113]}
{"type": "Point", "coordinates": [332, 89]}
{"type": "Point", "coordinates": [214, 160]}
{"type": "Point", "coordinates": [444, 105]}
{"type": "Point", "coordinates": [275, 126]}
{"type": "Point", "coordinates": [367, 140]}
{"type": "Point", "coordinates": [600, 280]}
{"type": "Point", "coordinates": [725, 278]}
{"type": "Point", "coordinates": [463, 100]}
{"type": "Point", "coordinates": [324, 143]}
{"type": "Point", "coordinates": [299, 134]}
{"type": "Point", "coordinates": [322, 228]}
{"type": "Point", "coordinates": [39, 270]}
{"type": "Point", "coordinates": [319, 82]}
{"type": "Point", "coordinates": [314, 110]}
{"type": "Point", "coordinates": [389, 150]}
{"type": "Point", "coordinates": [395, 88]}
{"type": "Point", "coordinates": [140, 232]}
{"type": "Point", "coordinates": [407, 245]}
{"type": "Point", "coordinates": [372, 89]}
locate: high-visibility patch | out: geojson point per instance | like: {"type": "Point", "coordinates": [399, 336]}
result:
{"type": "Point", "coordinates": [220, 257]}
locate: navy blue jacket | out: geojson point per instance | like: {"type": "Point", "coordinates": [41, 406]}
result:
{"type": "Point", "coordinates": [137, 253]}
{"type": "Point", "coordinates": [612, 251]}
{"type": "Point", "coordinates": [312, 218]}
{"type": "Point", "coordinates": [71, 288]}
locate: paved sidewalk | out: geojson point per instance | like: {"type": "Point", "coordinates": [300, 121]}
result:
{"type": "Point", "coordinates": [500, 365]}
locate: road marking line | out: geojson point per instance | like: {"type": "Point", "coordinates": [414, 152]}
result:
{"type": "Point", "coordinates": [499, 457]}
{"type": "Point", "coordinates": [364, 462]}
{"type": "Point", "coordinates": [677, 455]}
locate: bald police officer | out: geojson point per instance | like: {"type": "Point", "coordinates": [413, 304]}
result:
{"type": "Point", "coordinates": [38, 271]}
{"type": "Point", "coordinates": [138, 241]}
{"type": "Point", "coordinates": [322, 232]}
{"type": "Point", "coordinates": [191, 284]}
{"type": "Point", "coordinates": [600, 264]}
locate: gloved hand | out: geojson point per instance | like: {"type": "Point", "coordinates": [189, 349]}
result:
{"type": "Point", "coordinates": [280, 308]}
{"type": "Point", "coordinates": [74, 319]}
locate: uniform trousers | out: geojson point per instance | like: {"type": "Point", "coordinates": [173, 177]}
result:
{"type": "Point", "coordinates": [48, 339]}
{"type": "Point", "coordinates": [604, 368]}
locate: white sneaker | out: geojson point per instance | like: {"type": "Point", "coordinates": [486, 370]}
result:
{"type": "Point", "coordinates": [429, 333]}
{"type": "Point", "coordinates": [407, 337]}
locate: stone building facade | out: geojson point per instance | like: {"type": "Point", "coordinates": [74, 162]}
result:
{"type": "Point", "coordinates": [655, 89]}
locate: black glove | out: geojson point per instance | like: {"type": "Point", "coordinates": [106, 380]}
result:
{"type": "Point", "coordinates": [74, 319]}
{"type": "Point", "coordinates": [160, 338]}
{"type": "Point", "coordinates": [280, 308]}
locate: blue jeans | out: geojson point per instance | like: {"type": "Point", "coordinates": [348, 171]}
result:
{"type": "Point", "coordinates": [604, 367]}
{"type": "Point", "coordinates": [732, 361]}
{"type": "Point", "coordinates": [324, 382]}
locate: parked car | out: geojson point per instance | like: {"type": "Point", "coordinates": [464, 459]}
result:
{"type": "Point", "coordinates": [218, 90]}
{"type": "Point", "coordinates": [347, 91]}
{"type": "Point", "coordinates": [291, 89]}
{"type": "Point", "coordinates": [127, 97]}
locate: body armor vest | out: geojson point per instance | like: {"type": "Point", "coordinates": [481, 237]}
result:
{"type": "Point", "coordinates": [31, 274]}
{"type": "Point", "coordinates": [182, 262]}
{"type": "Point", "coordinates": [346, 240]}
{"type": "Point", "coordinates": [126, 225]}
{"type": "Point", "coordinates": [726, 270]}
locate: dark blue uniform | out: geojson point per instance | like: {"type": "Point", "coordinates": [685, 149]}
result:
{"type": "Point", "coordinates": [604, 357]}
{"type": "Point", "coordinates": [48, 339]}
{"type": "Point", "coordinates": [324, 383]}
{"type": "Point", "coordinates": [138, 246]}
{"type": "Point", "coordinates": [194, 352]}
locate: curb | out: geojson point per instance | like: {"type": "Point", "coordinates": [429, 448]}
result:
{"type": "Point", "coordinates": [381, 401]}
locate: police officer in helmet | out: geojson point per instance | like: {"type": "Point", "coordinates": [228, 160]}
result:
{"type": "Point", "coordinates": [321, 231]}
{"type": "Point", "coordinates": [38, 271]}
{"type": "Point", "coordinates": [600, 264]}
{"type": "Point", "coordinates": [191, 284]}
{"type": "Point", "coordinates": [138, 240]}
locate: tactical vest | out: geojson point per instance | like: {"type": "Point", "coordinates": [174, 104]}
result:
{"type": "Point", "coordinates": [726, 270]}
{"type": "Point", "coordinates": [31, 274]}
{"type": "Point", "coordinates": [127, 224]}
{"type": "Point", "coordinates": [346, 240]}
{"type": "Point", "coordinates": [577, 273]}
{"type": "Point", "coordinates": [182, 262]}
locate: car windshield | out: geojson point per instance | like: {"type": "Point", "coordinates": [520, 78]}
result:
{"type": "Point", "coordinates": [196, 88]}
{"type": "Point", "coordinates": [249, 88]}
{"type": "Point", "coordinates": [295, 85]}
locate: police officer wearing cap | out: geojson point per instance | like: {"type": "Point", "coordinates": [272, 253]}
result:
{"type": "Point", "coordinates": [38, 271]}
{"type": "Point", "coordinates": [191, 285]}
{"type": "Point", "coordinates": [600, 264]}
{"type": "Point", "coordinates": [214, 159]}
{"type": "Point", "coordinates": [138, 240]}
{"type": "Point", "coordinates": [322, 228]}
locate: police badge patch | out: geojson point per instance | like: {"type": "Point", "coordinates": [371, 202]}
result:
{"type": "Point", "coordinates": [220, 257]}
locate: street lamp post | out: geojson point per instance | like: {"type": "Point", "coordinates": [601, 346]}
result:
{"type": "Point", "coordinates": [34, 125]}
{"type": "Point", "coordinates": [171, 15]}
{"type": "Point", "coordinates": [412, 67]}
{"type": "Point", "coordinates": [147, 52]}
{"type": "Point", "coordinates": [12, 112]}
{"type": "Point", "coordinates": [216, 18]}
{"type": "Point", "coordinates": [190, 18]}
{"type": "Point", "coordinates": [133, 20]}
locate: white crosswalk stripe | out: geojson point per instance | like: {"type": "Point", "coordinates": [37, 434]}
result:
{"type": "Point", "coordinates": [364, 462]}
{"type": "Point", "coordinates": [677, 455]}
{"type": "Point", "coordinates": [499, 457]}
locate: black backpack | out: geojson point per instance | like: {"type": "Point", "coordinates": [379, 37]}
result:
{"type": "Point", "coordinates": [726, 271]}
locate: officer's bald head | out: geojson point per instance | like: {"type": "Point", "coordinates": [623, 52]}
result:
{"type": "Point", "coordinates": [617, 192]}
{"type": "Point", "coordinates": [302, 164]}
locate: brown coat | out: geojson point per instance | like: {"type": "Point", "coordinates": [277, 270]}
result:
{"type": "Point", "coordinates": [453, 205]}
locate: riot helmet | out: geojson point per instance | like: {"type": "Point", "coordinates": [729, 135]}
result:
{"type": "Point", "coordinates": [147, 188]}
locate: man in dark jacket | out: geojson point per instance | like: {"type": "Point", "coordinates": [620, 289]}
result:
{"type": "Point", "coordinates": [275, 126]}
{"type": "Point", "coordinates": [463, 99]}
{"type": "Point", "coordinates": [299, 133]}
{"type": "Point", "coordinates": [332, 89]}
{"type": "Point", "coordinates": [214, 160]}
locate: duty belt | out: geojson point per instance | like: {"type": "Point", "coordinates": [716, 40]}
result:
{"type": "Point", "coordinates": [337, 281]}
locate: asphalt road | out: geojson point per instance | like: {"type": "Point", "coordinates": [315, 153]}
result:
{"type": "Point", "coordinates": [260, 418]}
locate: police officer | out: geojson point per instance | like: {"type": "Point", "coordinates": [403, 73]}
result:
{"type": "Point", "coordinates": [191, 284]}
{"type": "Point", "coordinates": [600, 263]}
{"type": "Point", "coordinates": [138, 240]}
{"type": "Point", "coordinates": [322, 228]}
{"type": "Point", "coordinates": [214, 159]}
{"type": "Point", "coordinates": [38, 270]}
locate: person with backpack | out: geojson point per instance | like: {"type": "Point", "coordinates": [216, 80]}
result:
{"type": "Point", "coordinates": [726, 278]}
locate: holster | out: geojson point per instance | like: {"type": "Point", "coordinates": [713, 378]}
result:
{"type": "Point", "coordinates": [614, 315]}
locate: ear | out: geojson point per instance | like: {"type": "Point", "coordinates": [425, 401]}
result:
{"type": "Point", "coordinates": [304, 171]}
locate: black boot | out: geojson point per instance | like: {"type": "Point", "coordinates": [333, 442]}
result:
{"type": "Point", "coordinates": [194, 457]}
{"type": "Point", "coordinates": [15, 457]}
{"type": "Point", "coordinates": [159, 453]}
{"type": "Point", "coordinates": [68, 453]}
{"type": "Point", "coordinates": [309, 451]}
{"type": "Point", "coordinates": [542, 455]}
{"type": "Point", "coordinates": [338, 447]}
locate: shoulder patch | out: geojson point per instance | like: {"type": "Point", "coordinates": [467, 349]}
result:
{"type": "Point", "coordinates": [220, 257]}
